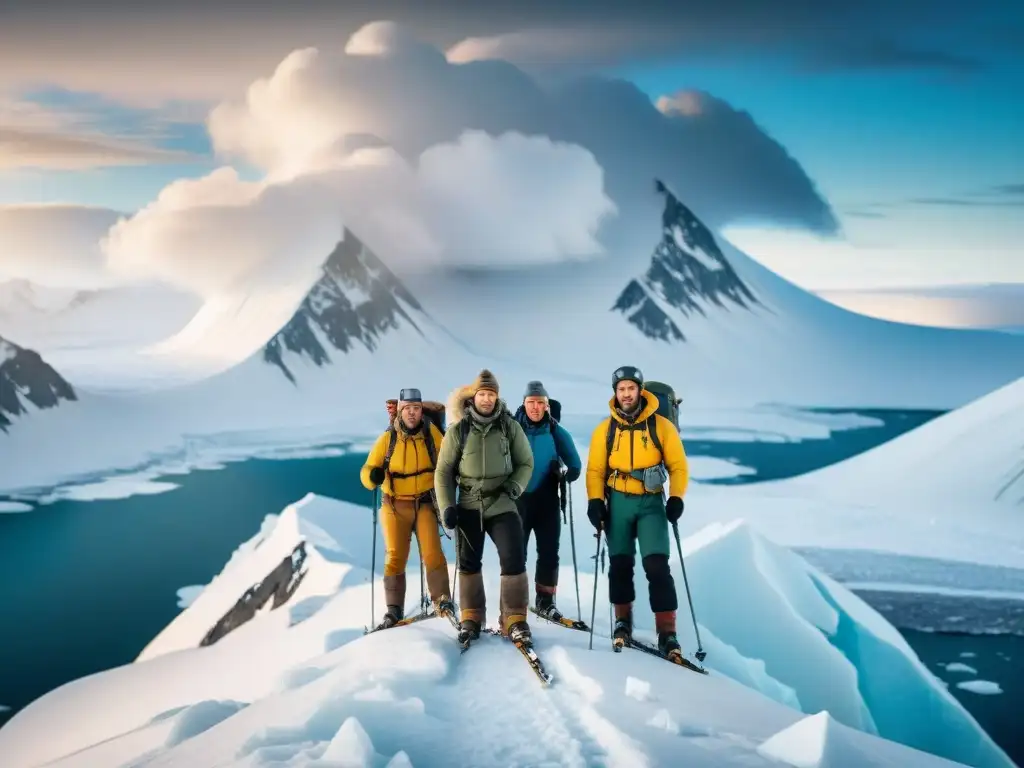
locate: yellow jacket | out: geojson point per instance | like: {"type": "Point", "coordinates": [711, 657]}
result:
{"type": "Point", "coordinates": [634, 450]}
{"type": "Point", "coordinates": [410, 464]}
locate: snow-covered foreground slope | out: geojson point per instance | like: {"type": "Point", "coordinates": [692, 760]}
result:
{"type": "Point", "coordinates": [300, 684]}
{"type": "Point", "coordinates": [689, 308]}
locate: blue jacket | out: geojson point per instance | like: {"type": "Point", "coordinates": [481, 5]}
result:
{"type": "Point", "coordinates": [547, 448]}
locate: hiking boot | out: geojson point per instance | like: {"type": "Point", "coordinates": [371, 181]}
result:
{"type": "Point", "coordinates": [544, 605]}
{"type": "Point", "coordinates": [444, 607]}
{"type": "Point", "coordinates": [668, 644]}
{"type": "Point", "coordinates": [520, 633]}
{"type": "Point", "coordinates": [469, 630]}
{"type": "Point", "coordinates": [623, 631]}
{"type": "Point", "coordinates": [392, 617]}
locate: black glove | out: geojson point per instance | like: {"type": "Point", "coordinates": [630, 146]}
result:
{"type": "Point", "coordinates": [597, 512]}
{"type": "Point", "coordinates": [513, 490]}
{"type": "Point", "coordinates": [377, 475]}
{"type": "Point", "coordinates": [673, 508]}
{"type": "Point", "coordinates": [450, 518]}
{"type": "Point", "coordinates": [572, 474]}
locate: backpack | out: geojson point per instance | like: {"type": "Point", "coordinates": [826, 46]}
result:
{"type": "Point", "coordinates": [433, 413]}
{"type": "Point", "coordinates": [554, 411]}
{"type": "Point", "coordinates": [554, 415]}
{"type": "Point", "coordinates": [668, 403]}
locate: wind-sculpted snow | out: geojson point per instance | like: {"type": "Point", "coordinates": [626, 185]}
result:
{"type": "Point", "coordinates": [301, 685]}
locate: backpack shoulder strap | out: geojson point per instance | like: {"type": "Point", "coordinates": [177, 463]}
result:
{"type": "Point", "coordinates": [392, 441]}
{"type": "Point", "coordinates": [652, 430]}
{"type": "Point", "coordinates": [428, 438]}
{"type": "Point", "coordinates": [462, 435]}
{"type": "Point", "coordinates": [613, 425]}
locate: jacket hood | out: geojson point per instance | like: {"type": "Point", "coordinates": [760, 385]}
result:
{"type": "Point", "coordinates": [458, 403]}
{"type": "Point", "coordinates": [650, 407]}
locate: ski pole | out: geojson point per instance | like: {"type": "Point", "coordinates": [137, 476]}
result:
{"type": "Point", "coordinates": [373, 562]}
{"type": "Point", "coordinates": [700, 654]}
{"type": "Point", "coordinates": [593, 605]}
{"type": "Point", "coordinates": [572, 539]}
{"type": "Point", "coordinates": [423, 593]}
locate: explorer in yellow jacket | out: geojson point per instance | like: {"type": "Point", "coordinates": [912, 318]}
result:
{"type": "Point", "coordinates": [406, 477]}
{"type": "Point", "coordinates": [632, 454]}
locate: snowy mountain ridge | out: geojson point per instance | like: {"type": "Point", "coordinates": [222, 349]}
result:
{"type": "Point", "coordinates": [26, 380]}
{"type": "Point", "coordinates": [687, 271]}
{"type": "Point", "coordinates": [356, 300]}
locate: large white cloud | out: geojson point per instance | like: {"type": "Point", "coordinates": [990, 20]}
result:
{"type": "Point", "coordinates": [219, 234]}
{"type": "Point", "coordinates": [481, 201]}
{"type": "Point", "coordinates": [409, 95]}
{"type": "Point", "coordinates": [434, 163]}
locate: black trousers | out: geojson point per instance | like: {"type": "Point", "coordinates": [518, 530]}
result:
{"type": "Point", "coordinates": [505, 530]}
{"type": "Point", "coordinates": [541, 515]}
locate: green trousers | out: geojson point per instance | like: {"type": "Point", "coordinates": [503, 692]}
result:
{"type": "Point", "coordinates": [637, 519]}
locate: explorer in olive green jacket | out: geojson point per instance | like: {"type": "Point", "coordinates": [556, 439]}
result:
{"type": "Point", "coordinates": [486, 456]}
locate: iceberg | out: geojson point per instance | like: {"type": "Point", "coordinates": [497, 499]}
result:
{"type": "Point", "coordinates": [289, 677]}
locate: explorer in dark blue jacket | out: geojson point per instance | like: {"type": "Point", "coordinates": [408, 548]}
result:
{"type": "Point", "coordinates": [538, 506]}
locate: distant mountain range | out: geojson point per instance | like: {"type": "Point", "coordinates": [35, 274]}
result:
{"type": "Point", "coordinates": [684, 305]}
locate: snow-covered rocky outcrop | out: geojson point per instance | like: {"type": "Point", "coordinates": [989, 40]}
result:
{"type": "Point", "coordinates": [27, 383]}
{"type": "Point", "coordinates": [299, 683]}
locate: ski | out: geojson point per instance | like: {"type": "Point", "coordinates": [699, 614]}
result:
{"type": "Point", "coordinates": [402, 622]}
{"type": "Point", "coordinates": [678, 660]}
{"type": "Point", "coordinates": [562, 621]}
{"type": "Point", "coordinates": [528, 652]}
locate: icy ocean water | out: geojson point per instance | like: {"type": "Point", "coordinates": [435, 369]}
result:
{"type": "Point", "coordinates": [85, 585]}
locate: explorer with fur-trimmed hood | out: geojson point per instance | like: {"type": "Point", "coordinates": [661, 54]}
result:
{"type": "Point", "coordinates": [486, 456]}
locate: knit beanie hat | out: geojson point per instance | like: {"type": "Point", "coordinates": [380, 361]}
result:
{"type": "Point", "coordinates": [535, 389]}
{"type": "Point", "coordinates": [485, 380]}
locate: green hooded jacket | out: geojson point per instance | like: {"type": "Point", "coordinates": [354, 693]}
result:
{"type": "Point", "coordinates": [496, 463]}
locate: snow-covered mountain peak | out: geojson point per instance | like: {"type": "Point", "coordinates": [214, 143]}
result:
{"type": "Point", "coordinates": [26, 378]}
{"type": "Point", "coordinates": [688, 272]}
{"type": "Point", "coordinates": [356, 300]}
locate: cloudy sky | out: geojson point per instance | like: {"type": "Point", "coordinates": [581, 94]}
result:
{"type": "Point", "coordinates": [846, 145]}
